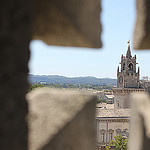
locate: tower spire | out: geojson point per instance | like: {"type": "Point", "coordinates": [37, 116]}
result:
{"type": "Point", "coordinates": [128, 50]}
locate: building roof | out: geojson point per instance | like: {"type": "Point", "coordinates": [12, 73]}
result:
{"type": "Point", "coordinates": [104, 112]}
{"type": "Point", "coordinates": [110, 96]}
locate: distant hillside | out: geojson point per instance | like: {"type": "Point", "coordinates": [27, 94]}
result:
{"type": "Point", "coordinates": [75, 80]}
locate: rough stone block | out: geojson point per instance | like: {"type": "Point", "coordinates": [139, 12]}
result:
{"type": "Point", "coordinates": [68, 22]}
{"type": "Point", "coordinates": [15, 21]}
{"type": "Point", "coordinates": [61, 119]}
{"type": "Point", "coordinates": [142, 27]}
{"type": "Point", "coordinates": [140, 122]}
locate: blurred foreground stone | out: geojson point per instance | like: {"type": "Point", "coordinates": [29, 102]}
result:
{"type": "Point", "coordinates": [142, 27]}
{"type": "Point", "coordinates": [63, 23]}
{"type": "Point", "coordinates": [68, 22]}
{"type": "Point", "coordinates": [140, 122]}
{"type": "Point", "coordinates": [15, 21]}
{"type": "Point", "coordinates": [61, 119]}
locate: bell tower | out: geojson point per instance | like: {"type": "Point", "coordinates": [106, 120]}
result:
{"type": "Point", "coordinates": [127, 80]}
{"type": "Point", "coordinates": [128, 75]}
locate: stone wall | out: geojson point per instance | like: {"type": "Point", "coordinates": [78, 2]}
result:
{"type": "Point", "coordinates": [15, 35]}
{"type": "Point", "coordinates": [131, 80]}
{"type": "Point", "coordinates": [122, 96]}
{"type": "Point", "coordinates": [118, 101]}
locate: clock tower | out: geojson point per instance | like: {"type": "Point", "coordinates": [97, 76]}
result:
{"type": "Point", "coordinates": [127, 80]}
{"type": "Point", "coordinates": [128, 74]}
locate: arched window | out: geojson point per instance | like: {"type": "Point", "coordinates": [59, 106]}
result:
{"type": "Point", "coordinates": [118, 131]}
{"type": "Point", "coordinates": [126, 132]}
{"type": "Point", "coordinates": [123, 66]}
{"type": "Point", "coordinates": [102, 135]}
{"type": "Point", "coordinates": [130, 66]}
{"type": "Point", "coordinates": [111, 134]}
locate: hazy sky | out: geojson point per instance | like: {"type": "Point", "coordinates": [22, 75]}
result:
{"type": "Point", "coordinates": [118, 19]}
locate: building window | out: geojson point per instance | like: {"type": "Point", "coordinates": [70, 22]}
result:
{"type": "Point", "coordinates": [118, 131]}
{"type": "Point", "coordinates": [130, 66]}
{"type": "Point", "coordinates": [110, 136]}
{"type": "Point", "coordinates": [102, 137]}
{"type": "Point", "coordinates": [125, 133]}
{"type": "Point", "coordinates": [123, 66]}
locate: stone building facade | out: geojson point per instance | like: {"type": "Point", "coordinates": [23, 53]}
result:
{"type": "Point", "coordinates": [111, 123]}
{"type": "Point", "coordinates": [107, 96]}
{"type": "Point", "coordinates": [121, 97]}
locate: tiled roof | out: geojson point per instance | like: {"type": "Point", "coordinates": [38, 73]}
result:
{"type": "Point", "coordinates": [104, 112]}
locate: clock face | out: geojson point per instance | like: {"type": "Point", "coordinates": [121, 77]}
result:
{"type": "Point", "coordinates": [120, 79]}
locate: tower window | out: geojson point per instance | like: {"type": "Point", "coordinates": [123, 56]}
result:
{"type": "Point", "coordinates": [130, 66]}
{"type": "Point", "coordinates": [123, 66]}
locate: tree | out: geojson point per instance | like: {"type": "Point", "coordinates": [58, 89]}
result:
{"type": "Point", "coordinates": [119, 143]}
{"type": "Point", "coordinates": [34, 86]}
{"type": "Point", "coordinates": [101, 100]}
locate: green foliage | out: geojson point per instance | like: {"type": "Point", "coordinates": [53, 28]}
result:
{"type": "Point", "coordinates": [34, 86]}
{"type": "Point", "coordinates": [108, 90]}
{"type": "Point", "coordinates": [72, 86]}
{"type": "Point", "coordinates": [119, 142]}
{"type": "Point", "coordinates": [101, 100]}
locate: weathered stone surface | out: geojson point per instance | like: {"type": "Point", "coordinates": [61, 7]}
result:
{"type": "Point", "coordinates": [142, 28]}
{"type": "Point", "coordinates": [15, 21]}
{"type": "Point", "coordinates": [15, 25]}
{"type": "Point", "coordinates": [68, 22]}
{"type": "Point", "coordinates": [140, 122]}
{"type": "Point", "coordinates": [61, 119]}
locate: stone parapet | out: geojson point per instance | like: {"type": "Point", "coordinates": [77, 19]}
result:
{"type": "Point", "coordinates": [124, 91]}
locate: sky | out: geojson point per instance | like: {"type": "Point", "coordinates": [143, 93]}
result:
{"type": "Point", "coordinates": [118, 20]}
